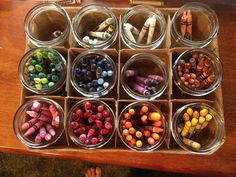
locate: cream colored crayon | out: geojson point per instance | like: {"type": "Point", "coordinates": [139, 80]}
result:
{"type": "Point", "coordinates": [144, 30]}
{"type": "Point", "coordinates": [103, 25]}
{"type": "Point", "coordinates": [151, 29]}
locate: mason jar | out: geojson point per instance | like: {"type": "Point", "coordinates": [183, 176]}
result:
{"type": "Point", "coordinates": [95, 26]}
{"type": "Point", "coordinates": [47, 25]}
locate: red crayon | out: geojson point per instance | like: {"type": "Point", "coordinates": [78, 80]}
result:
{"type": "Point", "coordinates": [38, 138]}
{"type": "Point", "coordinates": [138, 88]}
{"type": "Point", "coordinates": [32, 129]}
{"type": "Point", "coordinates": [28, 124]}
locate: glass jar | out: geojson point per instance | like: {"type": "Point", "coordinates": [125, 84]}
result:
{"type": "Point", "coordinates": [89, 67]}
{"type": "Point", "coordinates": [210, 138]}
{"type": "Point", "coordinates": [124, 130]}
{"type": "Point", "coordinates": [30, 138]}
{"type": "Point", "coordinates": [145, 66]}
{"type": "Point", "coordinates": [47, 25]}
{"type": "Point", "coordinates": [204, 25]}
{"type": "Point", "coordinates": [42, 70]}
{"type": "Point", "coordinates": [85, 27]}
{"type": "Point", "coordinates": [132, 23]}
{"type": "Point", "coordinates": [79, 125]}
{"type": "Point", "coordinates": [215, 68]}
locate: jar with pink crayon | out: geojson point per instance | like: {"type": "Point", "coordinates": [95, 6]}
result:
{"type": "Point", "coordinates": [39, 122]}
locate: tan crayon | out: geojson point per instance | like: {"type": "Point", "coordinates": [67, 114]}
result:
{"type": "Point", "coordinates": [129, 34]}
{"type": "Point", "coordinates": [132, 28]}
{"type": "Point", "coordinates": [144, 29]}
{"type": "Point", "coordinates": [151, 29]}
{"type": "Point", "coordinates": [104, 24]}
{"type": "Point", "coordinates": [100, 35]}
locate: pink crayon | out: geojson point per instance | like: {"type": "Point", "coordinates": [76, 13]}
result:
{"type": "Point", "coordinates": [42, 132]}
{"type": "Point", "coordinates": [48, 137]}
{"type": "Point", "coordinates": [156, 77]}
{"type": "Point", "coordinates": [29, 124]}
{"type": "Point", "coordinates": [145, 80]}
{"type": "Point", "coordinates": [56, 121]}
{"type": "Point", "coordinates": [56, 118]}
{"type": "Point", "coordinates": [50, 130]}
{"type": "Point", "coordinates": [33, 114]}
{"type": "Point", "coordinates": [130, 73]}
{"type": "Point", "coordinates": [36, 106]}
{"type": "Point", "coordinates": [46, 113]}
{"type": "Point", "coordinates": [38, 139]}
{"type": "Point", "coordinates": [138, 88]}
{"type": "Point", "coordinates": [44, 118]}
{"type": "Point", "coordinates": [32, 129]}
{"type": "Point", "coordinates": [52, 109]}
{"type": "Point", "coordinates": [142, 85]}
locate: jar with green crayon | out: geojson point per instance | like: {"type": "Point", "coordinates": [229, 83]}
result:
{"type": "Point", "coordinates": [42, 70]}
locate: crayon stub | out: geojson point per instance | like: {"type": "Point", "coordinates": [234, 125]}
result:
{"type": "Point", "coordinates": [192, 143]}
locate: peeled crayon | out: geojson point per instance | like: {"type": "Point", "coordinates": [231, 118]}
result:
{"type": "Point", "coordinates": [138, 88]}
{"type": "Point", "coordinates": [29, 124]}
{"type": "Point", "coordinates": [50, 129]}
{"type": "Point", "coordinates": [32, 129]}
{"type": "Point", "coordinates": [33, 114]}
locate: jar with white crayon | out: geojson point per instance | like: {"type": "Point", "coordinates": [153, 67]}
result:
{"type": "Point", "coordinates": [95, 26]}
{"type": "Point", "coordinates": [143, 27]}
{"type": "Point", "coordinates": [39, 122]}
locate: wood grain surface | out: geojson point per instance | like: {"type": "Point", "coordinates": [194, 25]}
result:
{"type": "Point", "coordinates": [12, 46]}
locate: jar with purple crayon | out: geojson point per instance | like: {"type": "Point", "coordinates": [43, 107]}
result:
{"type": "Point", "coordinates": [144, 76]}
{"type": "Point", "coordinates": [42, 70]}
{"type": "Point", "coordinates": [39, 122]}
{"type": "Point", "coordinates": [93, 73]}
{"type": "Point", "coordinates": [91, 123]}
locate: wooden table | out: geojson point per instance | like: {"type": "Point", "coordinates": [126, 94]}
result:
{"type": "Point", "coordinates": [12, 44]}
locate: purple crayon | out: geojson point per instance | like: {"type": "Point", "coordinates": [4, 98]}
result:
{"type": "Point", "coordinates": [130, 73]}
{"type": "Point", "coordinates": [29, 124]}
{"type": "Point", "coordinates": [36, 106]}
{"type": "Point", "coordinates": [145, 80]}
{"type": "Point", "coordinates": [48, 137]}
{"type": "Point", "coordinates": [32, 129]}
{"type": "Point", "coordinates": [38, 139]}
{"type": "Point", "coordinates": [156, 77]}
{"type": "Point", "coordinates": [143, 85]}
{"type": "Point", "coordinates": [138, 88]}
{"type": "Point", "coordinates": [50, 130]}
{"type": "Point", "coordinates": [33, 114]}
{"type": "Point", "coordinates": [42, 132]}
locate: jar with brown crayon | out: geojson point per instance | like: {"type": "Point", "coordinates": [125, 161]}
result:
{"type": "Point", "coordinates": [197, 72]}
{"type": "Point", "coordinates": [194, 25]}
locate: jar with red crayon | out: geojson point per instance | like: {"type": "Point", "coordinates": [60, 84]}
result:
{"type": "Point", "coordinates": [39, 122]}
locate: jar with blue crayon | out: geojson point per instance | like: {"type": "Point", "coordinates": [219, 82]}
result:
{"type": "Point", "coordinates": [93, 73]}
{"type": "Point", "coordinates": [42, 70]}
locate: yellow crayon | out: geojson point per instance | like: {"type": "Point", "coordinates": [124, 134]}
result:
{"type": "Point", "coordinates": [186, 129]}
{"type": "Point", "coordinates": [192, 143]}
{"type": "Point", "coordinates": [194, 122]}
{"type": "Point", "coordinates": [208, 118]}
{"type": "Point", "coordinates": [201, 120]}
{"type": "Point", "coordinates": [203, 112]}
{"type": "Point", "coordinates": [186, 117]}
{"type": "Point", "coordinates": [196, 114]}
{"type": "Point", "coordinates": [190, 111]}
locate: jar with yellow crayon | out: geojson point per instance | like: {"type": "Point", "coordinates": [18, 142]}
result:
{"type": "Point", "coordinates": [198, 128]}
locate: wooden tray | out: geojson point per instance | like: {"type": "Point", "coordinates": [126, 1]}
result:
{"type": "Point", "coordinates": [169, 102]}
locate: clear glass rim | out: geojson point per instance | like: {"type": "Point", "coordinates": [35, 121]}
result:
{"type": "Point", "coordinates": [78, 17]}
{"type": "Point", "coordinates": [217, 64]}
{"type": "Point", "coordinates": [73, 137]}
{"type": "Point", "coordinates": [219, 129]}
{"type": "Point", "coordinates": [21, 72]}
{"type": "Point", "coordinates": [125, 17]}
{"type": "Point", "coordinates": [155, 59]}
{"type": "Point", "coordinates": [34, 11]}
{"type": "Point", "coordinates": [188, 42]}
{"type": "Point", "coordinates": [73, 78]}
{"type": "Point", "coordinates": [18, 115]}
{"type": "Point", "coordinates": [148, 148]}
